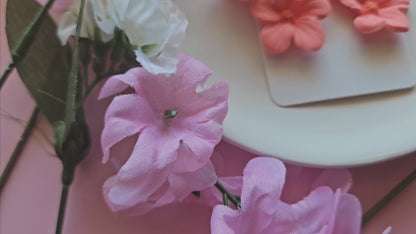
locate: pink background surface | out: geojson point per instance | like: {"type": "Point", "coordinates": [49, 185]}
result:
{"type": "Point", "coordinates": [29, 203]}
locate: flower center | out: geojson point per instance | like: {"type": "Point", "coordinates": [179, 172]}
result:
{"type": "Point", "coordinates": [169, 114]}
{"type": "Point", "coordinates": [287, 15]}
{"type": "Point", "coordinates": [371, 5]}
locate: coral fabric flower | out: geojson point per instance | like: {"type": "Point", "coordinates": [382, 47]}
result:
{"type": "Point", "coordinates": [291, 20]}
{"type": "Point", "coordinates": [262, 211]}
{"type": "Point", "coordinates": [375, 15]}
{"type": "Point", "coordinates": [179, 128]}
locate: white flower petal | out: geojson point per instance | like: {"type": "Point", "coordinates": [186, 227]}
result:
{"type": "Point", "coordinates": [158, 23]}
{"type": "Point", "coordinates": [95, 14]}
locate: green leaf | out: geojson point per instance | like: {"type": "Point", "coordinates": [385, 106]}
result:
{"type": "Point", "coordinates": [45, 68]}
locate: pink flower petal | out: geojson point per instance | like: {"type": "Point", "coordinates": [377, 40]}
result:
{"type": "Point", "coordinates": [395, 19]}
{"type": "Point", "coordinates": [277, 38]}
{"type": "Point", "coordinates": [308, 34]}
{"type": "Point", "coordinates": [201, 126]}
{"type": "Point", "coordinates": [210, 103]}
{"type": "Point", "coordinates": [142, 174]}
{"type": "Point", "coordinates": [191, 72]}
{"type": "Point", "coordinates": [369, 23]}
{"type": "Point", "coordinates": [263, 183]}
{"type": "Point", "coordinates": [179, 185]}
{"type": "Point", "coordinates": [224, 220]}
{"type": "Point", "coordinates": [117, 83]}
{"type": "Point", "coordinates": [348, 215]}
{"type": "Point", "coordinates": [307, 216]}
{"type": "Point", "coordinates": [195, 151]}
{"type": "Point", "coordinates": [59, 5]}
{"type": "Point", "coordinates": [125, 116]}
{"type": "Point", "coordinates": [182, 183]}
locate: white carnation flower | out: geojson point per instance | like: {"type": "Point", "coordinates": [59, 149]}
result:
{"type": "Point", "coordinates": [95, 17]}
{"type": "Point", "coordinates": [154, 27]}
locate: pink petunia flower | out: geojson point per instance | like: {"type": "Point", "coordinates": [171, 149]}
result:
{"type": "Point", "coordinates": [262, 211]}
{"type": "Point", "coordinates": [179, 128]}
{"type": "Point", "coordinates": [291, 20]}
{"type": "Point", "coordinates": [375, 15]}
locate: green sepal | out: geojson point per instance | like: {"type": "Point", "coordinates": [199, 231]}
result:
{"type": "Point", "coordinates": [149, 49]}
{"type": "Point", "coordinates": [72, 144]}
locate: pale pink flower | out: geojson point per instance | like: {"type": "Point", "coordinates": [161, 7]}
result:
{"type": "Point", "coordinates": [375, 15]}
{"type": "Point", "coordinates": [58, 8]}
{"type": "Point", "coordinates": [58, 5]}
{"type": "Point", "coordinates": [179, 128]}
{"type": "Point", "coordinates": [263, 212]}
{"type": "Point", "coordinates": [291, 20]}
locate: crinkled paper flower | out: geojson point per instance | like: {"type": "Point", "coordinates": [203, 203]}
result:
{"type": "Point", "coordinates": [263, 212]}
{"type": "Point", "coordinates": [178, 129]}
{"type": "Point", "coordinates": [375, 15]}
{"type": "Point", "coordinates": [154, 27]}
{"type": "Point", "coordinates": [287, 21]}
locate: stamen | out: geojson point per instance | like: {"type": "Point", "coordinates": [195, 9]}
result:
{"type": "Point", "coordinates": [169, 114]}
{"type": "Point", "coordinates": [371, 5]}
{"type": "Point", "coordinates": [287, 15]}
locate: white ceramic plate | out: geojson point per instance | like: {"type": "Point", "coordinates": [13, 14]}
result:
{"type": "Point", "coordinates": [347, 132]}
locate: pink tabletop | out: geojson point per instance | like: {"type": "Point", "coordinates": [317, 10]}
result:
{"type": "Point", "coordinates": [29, 203]}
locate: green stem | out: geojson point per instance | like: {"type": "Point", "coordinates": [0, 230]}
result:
{"type": "Point", "coordinates": [62, 207]}
{"type": "Point", "coordinates": [25, 41]}
{"type": "Point", "coordinates": [18, 149]}
{"type": "Point", "coordinates": [225, 200]}
{"type": "Point", "coordinates": [85, 76]}
{"type": "Point", "coordinates": [73, 75]}
{"type": "Point", "coordinates": [388, 198]}
{"type": "Point", "coordinates": [69, 170]}
{"type": "Point", "coordinates": [6, 73]}
{"type": "Point", "coordinates": [67, 178]}
{"type": "Point", "coordinates": [227, 194]}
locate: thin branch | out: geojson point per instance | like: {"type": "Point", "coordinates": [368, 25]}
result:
{"type": "Point", "coordinates": [62, 208]}
{"type": "Point", "coordinates": [388, 198]}
{"type": "Point", "coordinates": [68, 170]}
{"type": "Point", "coordinates": [227, 194]}
{"type": "Point", "coordinates": [18, 149]}
{"type": "Point", "coordinates": [73, 76]}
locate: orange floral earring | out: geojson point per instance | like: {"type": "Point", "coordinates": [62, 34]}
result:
{"type": "Point", "coordinates": [375, 15]}
{"type": "Point", "coordinates": [287, 21]}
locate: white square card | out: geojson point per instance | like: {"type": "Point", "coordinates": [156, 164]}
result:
{"type": "Point", "coordinates": [349, 64]}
